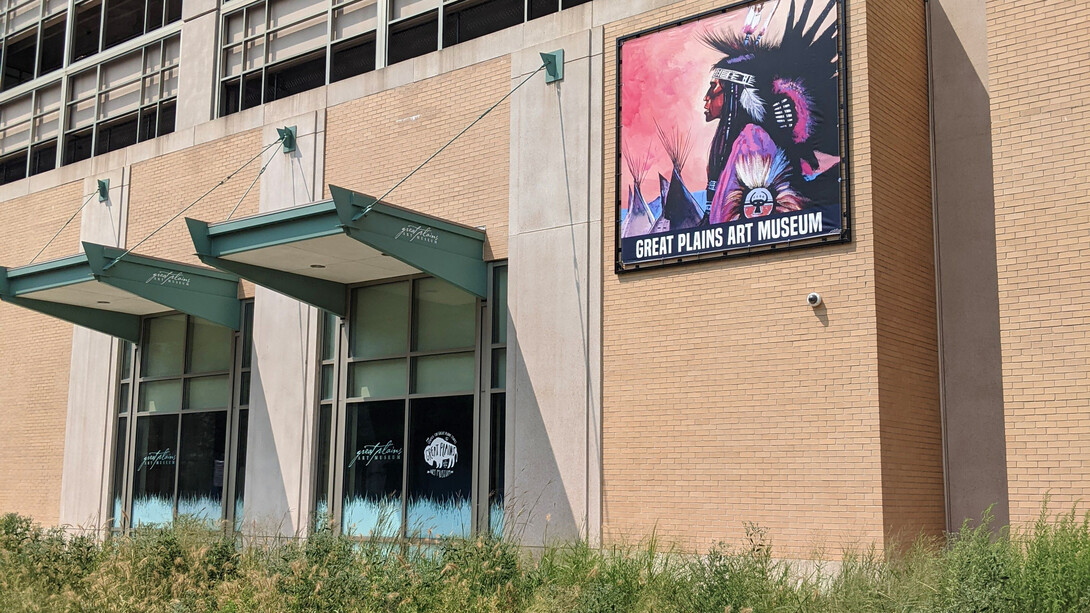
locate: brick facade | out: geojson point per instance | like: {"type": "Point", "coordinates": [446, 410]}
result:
{"type": "Point", "coordinates": [727, 400]}
{"type": "Point", "coordinates": [35, 350]}
{"type": "Point", "coordinates": [1041, 139]}
{"type": "Point", "coordinates": [373, 142]}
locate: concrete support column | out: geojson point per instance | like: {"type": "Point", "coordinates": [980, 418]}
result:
{"type": "Point", "coordinates": [89, 427]}
{"type": "Point", "coordinates": [283, 394]}
{"type": "Point", "coordinates": [974, 437]}
{"type": "Point", "coordinates": [197, 70]}
{"type": "Point", "coordinates": [553, 488]}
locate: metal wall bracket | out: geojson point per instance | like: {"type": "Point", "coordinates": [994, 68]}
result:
{"type": "Point", "coordinates": [288, 136]}
{"type": "Point", "coordinates": [103, 190]}
{"type": "Point", "coordinates": [554, 65]}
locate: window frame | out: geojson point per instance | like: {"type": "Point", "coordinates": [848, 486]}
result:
{"type": "Point", "coordinates": [481, 392]}
{"type": "Point", "coordinates": [130, 397]}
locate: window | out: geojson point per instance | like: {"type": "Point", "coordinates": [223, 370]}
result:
{"type": "Point", "coordinates": [399, 413]}
{"type": "Point", "coordinates": [468, 19]}
{"type": "Point", "coordinates": [497, 398]}
{"type": "Point", "coordinates": [32, 38]}
{"type": "Point", "coordinates": [181, 395]}
{"type": "Point", "coordinates": [413, 36]}
{"type": "Point", "coordinates": [126, 100]}
{"type": "Point", "coordinates": [98, 28]}
{"type": "Point", "coordinates": [29, 126]}
{"type": "Point", "coordinates": [278, 48]}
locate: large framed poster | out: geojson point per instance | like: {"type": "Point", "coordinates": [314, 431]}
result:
{"type": "Point", "coordinates": [731, 134]}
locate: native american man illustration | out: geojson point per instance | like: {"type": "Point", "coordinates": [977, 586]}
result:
{"type": "Point", "coordinates": [776, 103]}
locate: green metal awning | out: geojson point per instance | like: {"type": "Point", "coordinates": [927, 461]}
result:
{"type": "Point", "coordinates": [97, 290]}
{"type": "Point", "coordinates": [312, 253]}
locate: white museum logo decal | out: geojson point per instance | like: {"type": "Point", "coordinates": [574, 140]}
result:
{"type": "Point", "coordinates": [376, 451]}
{"type": "Point", "coordinates": [441, 454]}
{"type": "Point", "coordinates": [163, 277]}
{"type": "Point", "coordinates": [163, 457]}
{"type": "Point", "coordinates": [418, 234]}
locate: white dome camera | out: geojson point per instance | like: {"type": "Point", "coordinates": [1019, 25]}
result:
{"type": "Point", "coordinates": [813, 299]}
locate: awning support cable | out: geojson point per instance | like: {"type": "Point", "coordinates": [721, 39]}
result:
{"type": "Point", "coordinates": [50, 241]}
{"type": "Point", "coordinates": [247, 192]}
{"type": "Point", "coordinates": [194, 203]}
{"type": "Point", "coordinates": [381, 198]}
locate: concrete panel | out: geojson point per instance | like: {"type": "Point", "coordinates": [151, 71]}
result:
{"type": "Point", "coordinates": [196, 76]}
{"type": "Point", "coordinates": [548, 296]}
{"type": "Point", "coordinates": [554, 296]}
{"type": "Point", "coordinates": [281, 416]}
{"type": "Point", "coordinates": [89, 426]}
{"type": "Point", "coordinates": [556, 118]}
{"type": "Point", "coordinates": [195, 8]}
{"type": "Point", "coordinates": [290, 178]}
{"type": "Point", "coordinates": [972, 387]}
{"type": "Point", "coordinates": [282, 401]}
{"type": "Point", "coordinates": [594, 299]}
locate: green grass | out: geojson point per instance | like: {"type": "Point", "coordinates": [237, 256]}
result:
{"type": "Point", "coordinates": [188, 567]}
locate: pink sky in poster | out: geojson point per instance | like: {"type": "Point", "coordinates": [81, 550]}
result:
{"type": "Point", "coordinates": [664, 76]}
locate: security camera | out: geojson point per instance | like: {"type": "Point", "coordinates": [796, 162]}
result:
{"type": "Point", "coordinates": [813, 299]}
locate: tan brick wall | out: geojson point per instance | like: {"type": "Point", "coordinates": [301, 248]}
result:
{"type": "Point", "coordinates": [1039, 55]}
{"type": "Point", "coordinates": [904, 274]}
{"type": "Point", "coordinates": [36, 352]}
{"type": "Point", "coordinates": [374, 142]}
{"type": "Point", "coordinates": [164, 185]}
{"type": "Point", "coordinates": [726, 399]}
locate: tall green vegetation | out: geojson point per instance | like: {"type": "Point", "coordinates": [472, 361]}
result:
{"type": "Point", "coordinates": [191, 568]}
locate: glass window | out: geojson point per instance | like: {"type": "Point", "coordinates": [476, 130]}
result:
{"type": "Point", "coordinates": [440, 467]}
{"type": "Point", "coordinates": [380, 321]}
{"type": "Point", "coordinates": [178, 464]}
{"type": "Point", "coordinates": [201, 465]}
{"type": "Point", "coordinates": [443, 317]}
{"type": "Point", "coordinates": [413, 37]}
{"type": "Point", "coordinates": [210, 346]}
{"type": "Point", "coordinates": [397, 429]}
{"type": "Point", "coordinates": [443, 374]}
{"type": "Point", "coordinates": [374, 450]}
{"type": "Point", "coordinates": [497, 399]}
{"type": "Point", "coordinates": [469, 19]}
{"type": "Point", "coordinates": [154, 468]}
{"type": "Point", "coordinates": [378, 379]}
{"type": "Point", "coordinates": [164, 341]}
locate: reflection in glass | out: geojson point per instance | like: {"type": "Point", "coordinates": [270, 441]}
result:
{"type": "Point", "coordinates": [440, 467]}
{"type": "Point", "coordinates": [240, 466]}
{"type": "Point", "coordinates": [378, 379]}
{"type": "Point", "coordinates": [244, 389]}
{"type": "Point", "coordinates": [247, 334]}
{"type": "Point", "coordinates": [201, 465]}
{"type": "Point", "coordinates": [443, 316]}
{"type": "Point", "coordinates": [327, 382]}
{"type": "Point", "coordinates": [497, 448]}
{"type": "Point", "coordinates": [438, 374]}
{"type": "Point", "coordinates": [119, 472]}
{"type": "Point", "coordinates": [374, 449]}
{"type": "Point", "coordinates": [321, 473]}
{"type": "Point", "coordinates": [210, 346]}
{"type": "Point", "coordinates": [159, 396]}
{"type": "Point", "coordinates": [499, 368]}
{"type": "Point", "coordinates": [164, 342]}
{"type": "Point", "coordinates": [329, 334]}
{"type": "Point", "coordinates": [208, 393]}
{"type": "Point", "coordinates": [123, 398]}
{"type": "Point", "coordinates": [499, 305]}
{"type": "Point", "coordinates": [153, 469]}
{"type": "Point", "coordinates": [380, 320]}
{"type": "Point", "coordinates": [126, 359]}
